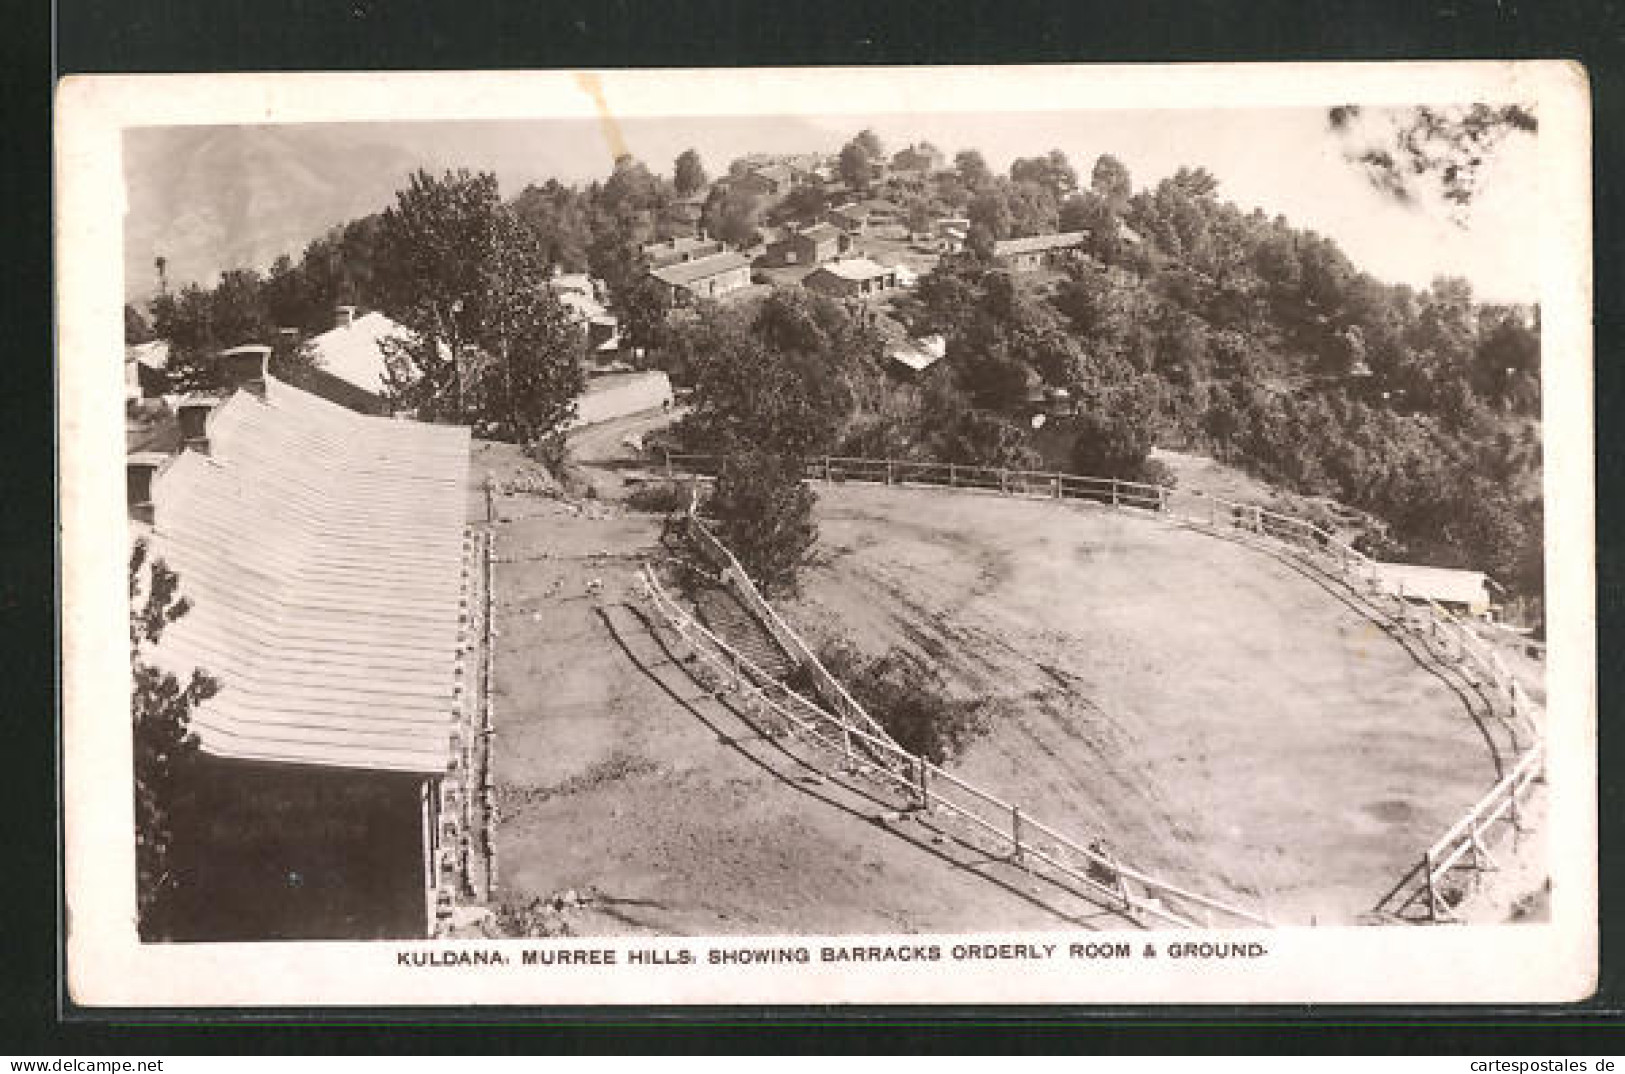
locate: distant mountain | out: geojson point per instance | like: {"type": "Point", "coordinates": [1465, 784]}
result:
{"type": "Point", "coordinates": [214, 198]}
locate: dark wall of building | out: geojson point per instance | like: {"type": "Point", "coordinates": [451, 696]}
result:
{"type": "Point", "coordinates": [273, 852]}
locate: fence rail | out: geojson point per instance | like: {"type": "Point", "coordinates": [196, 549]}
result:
{"type": "Point", "coordinates": [1028, 841]}
{"type": "Point", "coordinates": [1320, 548]}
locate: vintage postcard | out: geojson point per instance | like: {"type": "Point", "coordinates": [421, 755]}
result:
{"type": "Point", "coordinates": [947, 535]}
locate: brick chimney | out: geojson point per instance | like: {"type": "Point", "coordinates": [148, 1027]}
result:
{"type": "Point", "coordinates": [193, 413]}
{"type": "Point", "coordinates": [139, 470]}
{"type": "Point", "coordinates": [343, 316]}
{"type": "Point", "coordinates": [244, 367]}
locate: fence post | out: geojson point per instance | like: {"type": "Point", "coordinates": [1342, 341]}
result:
{"type": "Point", "coordinates": [1114, 492]}
{"type": "Point", "coordinates": [490, 499]}
{"type": "Point", "coordinates": [1057, 486]}
{"type": "Point", "coordinates": [1432, 892]}
{"type": "Point", "coordinates": [668, 464]}
{"type": "Point", "coordinates": [1004, 481]}
{"type": "Point", "coordinates": [1162, 499]}
{"type": "Point", "coordinates": [953, 476]}
{"type": "Point", "coordinates": [1015, 830]}
{"type": "Point", "coordinates": [923, 769]}
{"type": "Point", "coordinates": [888, 472]}
{"type": "Point", "coordinates": [827, 477]}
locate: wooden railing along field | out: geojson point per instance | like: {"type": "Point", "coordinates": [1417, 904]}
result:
{"type": "Point", "coordinates": [1320, 548]}
{"type": "Point", "coordinates": [1031, 844]}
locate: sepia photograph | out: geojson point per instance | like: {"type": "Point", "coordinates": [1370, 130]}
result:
{"type": "Point", "coordinates": [1057, 523]}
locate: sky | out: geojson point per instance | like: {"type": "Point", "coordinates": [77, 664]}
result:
{"type": "Point", "coordinates": [1285, 161]}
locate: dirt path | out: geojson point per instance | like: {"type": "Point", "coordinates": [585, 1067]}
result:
{"type": "Point", "coordinates": [1219, 714]}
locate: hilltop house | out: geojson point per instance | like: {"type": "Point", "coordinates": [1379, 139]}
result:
{"type": "Point", "coordinates": [324, 556]}
{"type": "Point", "coordinates": [923, 158]}
{"type": "Point", "coordinates": [856, 277]}
{"type": "Point", "coordinates": [350, 360]}
{"type": "Point", "coordinates": [859, 217]}
{"type": "Point", "coordinates": [767, 181]}
{"type": "Point", "coordinates": [808, 246]}
{"type": "Point", "coordinates": [681, 248]}
{"type": "Point", "coordinates": [948, 233]}
{"type": "Point", "coordinates": [705, 277]}
{"type": "Point", "coordinates": [578, 293]}
{"type": "Point", "coordinates": [1037, 251]}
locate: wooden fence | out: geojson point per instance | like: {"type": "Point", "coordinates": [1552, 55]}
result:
{"type": "Point", "coordinates": [1030, 843]}
{"type": "Point", "coordinates": [1318, 547]}
{"type": "Point", "coordinates": [828, 688]}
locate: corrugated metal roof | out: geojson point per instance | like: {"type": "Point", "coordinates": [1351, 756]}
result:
{"type": "Point", "coordinates": [353, 353]}
{"type": "Point", "coordinates": [322, 551]}
{"type": "Point", "coordinates": [855, 268]}
{"type": "Point", "coordinates": [1038, 243]}
{"type": "Point", "coordinates": [686, 273]}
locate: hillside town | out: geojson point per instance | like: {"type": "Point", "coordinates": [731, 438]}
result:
{"type": "Point", "coordinates": [488, 527]}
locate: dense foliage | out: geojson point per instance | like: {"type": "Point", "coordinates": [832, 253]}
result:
{"type": "Point", "coordinates": [763, 508]}
{"type": "Point", "coordinates": [162, 741]}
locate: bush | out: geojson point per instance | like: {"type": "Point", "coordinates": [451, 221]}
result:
{"type": "Point", "coordinates": [658, 497]}
{"type": "Point", "coordinates": [909, 698]}
{"type": "Point", "coordinates": [1157, 472]}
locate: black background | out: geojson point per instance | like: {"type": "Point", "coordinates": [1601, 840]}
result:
{"type": "Point", "coordinates": [39, 44]}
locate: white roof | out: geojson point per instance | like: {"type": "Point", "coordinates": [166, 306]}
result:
{"type": "Point", "coordinates": [352, 354]}
{"type": "Point", "coordinates": [154, 355]}
{"type": "Point", "coordinates": [1435, 583]}
{"type": "Point", "coordinates": [855, 268]}
{"type": "Point", "coordinates": [579, 282]}
{"type": "Point", "coordinates": [585, 308]}
{"type": "Point", "coordinates": [918, 354]}
{"type": "Point", "coordinates": [323, 554]}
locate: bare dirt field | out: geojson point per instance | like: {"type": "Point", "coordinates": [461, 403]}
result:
{"type": "Point", "coordinates": [1216, 713]}
{"type": "Point", "coordinates": [657, 808]}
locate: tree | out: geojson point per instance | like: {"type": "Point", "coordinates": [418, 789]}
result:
{"type": "Point", "coordinates": [136, 327]}
{"type": "Point", "coordinates": [763, 511]}
{"type": "Point", "coordinates": [198, 324]}
{"type": "Point", "coordinates": [853, 165]}
{"type": "Point", "coordinates": [780, 381]}
{"type": "Point", "coordinates": [486, 339]}
{"type": "Point", "coordinates": [643, 304]}
{"type": "Point", "coordinates": [1052, 171]}
{"type": "Point", "coordinates": [1115, 439]}
{"type": "Point", "coordinates": [164, 746]}
{"type": "Point", "coordinates": [1110, 179]}
{"type": "Point", "coordinates": [732, 215]}
{"type": "Point", "coordinates": [688, 174]}
{"type": "Point", "coordinates": [870, 143]}
{"type": "Point", "coordinates": [804, 203]}
{"type": "Point", "coordinates": [972, 169]}
{"type": "Point", "coordinates": [631, 186]}
{"type": "Point", "coordinates": [1196, 182]}
{"type": "Point", "coordinates": [536, 348]}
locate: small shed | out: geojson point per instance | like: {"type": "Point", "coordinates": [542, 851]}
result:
{"type": "Point", "coordinates": [856, 277]}
{"type": "Point", "coordinates": [1461, 591]}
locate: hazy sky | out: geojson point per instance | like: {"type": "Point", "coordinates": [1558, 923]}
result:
{"type": "Point", "coordinates": [1282, 160]}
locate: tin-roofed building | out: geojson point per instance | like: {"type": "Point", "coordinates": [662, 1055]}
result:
{"type": "Point", "coordinates": [1461, 591]}
{"type": "Point", "coordinates": [325, 559]}
{"type": "Point", "coordinates": [705, 277]}
{"type": "Point", "coordinates": [856, 277]}
{"type": "Point", "coordinates": [1035, 251]}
